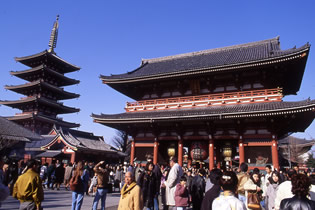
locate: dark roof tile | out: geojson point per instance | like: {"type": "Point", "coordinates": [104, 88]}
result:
{"type": "Point", "coordinates": [12, 131]}
{"type": "Point", "coordinates": [213, 58]}
{"type": "Point", "coordinates": [212, 111]}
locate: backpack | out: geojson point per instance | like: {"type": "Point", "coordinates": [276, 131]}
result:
{"type": "Point", "coordinates": [76, 184]}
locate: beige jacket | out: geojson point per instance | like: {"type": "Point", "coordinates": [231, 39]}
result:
{"type": "Point", "coordinates": [130, 198]}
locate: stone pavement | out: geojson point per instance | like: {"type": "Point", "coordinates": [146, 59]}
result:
{"type": "Point", "coordinates": [61, 200]}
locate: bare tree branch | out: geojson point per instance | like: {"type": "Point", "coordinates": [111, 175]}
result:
{"type": "Point", "coordinates": [121, 141]}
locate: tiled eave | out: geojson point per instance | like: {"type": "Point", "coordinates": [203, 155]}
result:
{"type": "Point", "coordinates": [35, 99]}
{"type": "Point", "coordinates": [12, 131]}
{"type": "Point", "coordinates": [201, 114]}
{"type": "Point", "coordinates": [43, 67]}
{"type": "Point", "coordinates": [205, 70]}
{"type": "Point", "coordinates": [30, 116]}
{"type": "Point", "coordinates": [63, 94]}
{"type": "Point", "coordinates": [42, 56]}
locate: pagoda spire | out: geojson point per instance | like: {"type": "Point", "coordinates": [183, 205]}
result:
{"type": "Point", "coordinates": [53, 36]}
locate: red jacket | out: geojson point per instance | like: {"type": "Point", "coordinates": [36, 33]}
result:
{"type": "Point", "coordinates": [181, 196]}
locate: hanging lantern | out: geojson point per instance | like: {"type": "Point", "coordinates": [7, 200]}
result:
{"type": "Point", "coordinates": [227, 152]}
{"type": "Point", "coordinates": [171, 150]}
{"type": "Point", "coordinates": [198, 151]}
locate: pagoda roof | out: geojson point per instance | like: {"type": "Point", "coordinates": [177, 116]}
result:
{"type": "Point", "coordinates": [19, 104]}
{"type": "Point", "coordinates": [11, 131]}
{"type": "Point", "coordinates": [44, 118]}
{"type": "Point", "coordinates": [44, 57]}
{"type": "Point", "coordinates": [43, 68]}
{"type": "Point", "coordinates": [212, 112]}
{"type": "Point", "coordinates": [61, 94]}
{"type": "Point", "coordinates": [252, 54]}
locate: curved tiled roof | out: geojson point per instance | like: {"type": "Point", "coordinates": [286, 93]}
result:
{"type": "Point", "coordinates": [61, 93]}
{"type": "Point", "coordinates": [34, 99]}
{"type": "Point", "coordinates": [79, 140]}
{"type": "Point", "coordinates": [43, 68]}
{"type": "Point", "coordinates": [215, 60]}
{"type": "Point", "coordinates": [12, 131]}
{"type": "Point", "coordinates": [40, 117]}
{"type": "Point", "coordinates": [214, 112]}
{"type": "Point", "coordinates": [32, 61]}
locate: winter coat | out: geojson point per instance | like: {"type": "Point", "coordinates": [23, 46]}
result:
{"type": "Point", "coordinates": [149, 188]}
{"type": "Point", "coordinates": [242, 179]}
{"type": "Point", "coordinates": [181, 196]}
{"type": "Point", "coordinates": [271, 196]}
{"type": "Point", "coordinates": [59, 173]}
{"type": "Point", "coordinates": [209, 197]}
{"type": "Point", "coordinates": [297, 203]}
{"type": "Point", "coordinates": [284, 191]}
{"type": "Point", "coordinates": [197, 190]}
{"type": "Point", "coordinates": [68, 172]}
{"type": "Point", "coordinates": [157, 172]}
{"type": "Point", "coordinates": [173, 178]}
{"type": "Point", "coordinates": [189, 180]}
{"type": "Point", "coordinates": [228, 202]}
{"type": "Point", "coordinates": [130, 198]}
{"type": "Point", "coordinates": [102, 176]}
{"type": "Point", "coordinates": [119, 175]}
{"type": "Point", "coordinates": [50, 170]}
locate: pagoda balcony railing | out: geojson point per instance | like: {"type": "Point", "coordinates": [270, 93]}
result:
{"type": "Point", "coordinates": [243, 97]}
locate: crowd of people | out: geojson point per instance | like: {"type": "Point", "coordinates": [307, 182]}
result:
{"type": "Point", "coordinates": [168, 186]}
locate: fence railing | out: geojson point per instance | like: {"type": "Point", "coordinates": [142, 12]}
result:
{"type": "Point", "coordinates": [252, 96]}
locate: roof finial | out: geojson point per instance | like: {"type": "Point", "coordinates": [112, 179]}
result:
{"type": "Point", "coordinates": [53, 36]}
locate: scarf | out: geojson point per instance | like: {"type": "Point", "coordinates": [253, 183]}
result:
{"type": "Point", "coordinates": [126, 190]}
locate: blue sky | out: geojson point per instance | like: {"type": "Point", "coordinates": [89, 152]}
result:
{"type": "Point", "coordinates": [112, 36]}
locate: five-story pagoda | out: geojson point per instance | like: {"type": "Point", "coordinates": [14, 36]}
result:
{"type": "Point", "coordinates": [44, 89]}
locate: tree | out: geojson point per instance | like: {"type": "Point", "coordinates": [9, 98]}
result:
{"type": "Point", "coordinates": [311, 161]}
{"type": "Point", "coordinates": [122, 142]}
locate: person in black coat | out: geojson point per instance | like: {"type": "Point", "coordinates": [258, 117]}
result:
{"type": "Point", "coordinates": [214, 191]}
{"type": "Point", "coordinates": [149, 185]}
{"type": "Point", "coordinates": [197, 189]}
{"type": "Point", "coordinates": [59, 173]}
{"type": "Point", "coordinates": [189, 178]}
{"type": "Point", "coordinates": [300, 188]}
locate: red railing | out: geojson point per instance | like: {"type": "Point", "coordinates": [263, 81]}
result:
{"type": "Point", "coordinates": [253, 96]}
{"type": "Point", "coordinates": [221, 96]}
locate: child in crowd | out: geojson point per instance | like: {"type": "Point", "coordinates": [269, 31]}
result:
{"type": "Point", "coordinates": [181, 194]}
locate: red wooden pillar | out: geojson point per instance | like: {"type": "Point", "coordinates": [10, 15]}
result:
{"type": "Point", "coordinates": [72, 160]}
{"type": "Point", "coordinates": [180, 151]}
{"type": "Point", "coordinates": [241, 150]}
{"type": "Point", "coordinates": [132, 152]}
{"type": "Point", "coordinates": [218, 157]}
{"type": "Point", "coordinates": [211, 153]}
{"type": "Point", "coordinates": [155, 152]}
{"type": "Point", "coordinates": [274, 151]}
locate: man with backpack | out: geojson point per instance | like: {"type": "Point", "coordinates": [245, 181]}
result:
{"type": "Point", "coordinates": [242, 177]}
